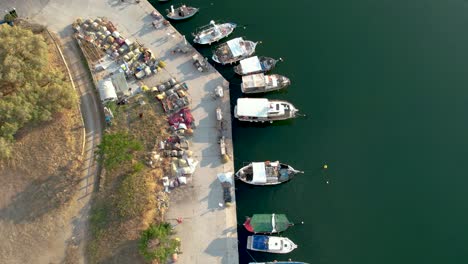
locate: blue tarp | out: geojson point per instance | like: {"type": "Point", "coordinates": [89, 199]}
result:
{"type": "Point", "coordinates": [260, 242]}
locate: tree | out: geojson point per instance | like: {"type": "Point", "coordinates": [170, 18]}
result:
{"type": "Point", "coordinates": [31, 90]}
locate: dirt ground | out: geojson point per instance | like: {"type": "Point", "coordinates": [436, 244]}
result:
{"type": "Point", "coordinates": [37, 188]}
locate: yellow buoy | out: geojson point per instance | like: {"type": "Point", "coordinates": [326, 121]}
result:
{"type": "Point", "coordinates": [325, 166]}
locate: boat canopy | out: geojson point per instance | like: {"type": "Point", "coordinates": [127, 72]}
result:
{"type": "Point", "coordinates": [266, 223]}
{"type": "Point", "coordinates": [251, 64]}
{"type": "Point", "coordinates": [236, 47]}
{"type": "Point", "coordinates": [253, 80]}
{"type": "Point", "coordinates": [253, 107]}
{"type": "Point", "coordinates": [260, 242]}
{"type": "Point", "coordinates": [259, 172]}
{"type": "Point", "coordinates": [275, 243]}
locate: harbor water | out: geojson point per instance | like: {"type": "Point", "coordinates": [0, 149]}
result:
{"type": "Point", "coordinates": [384, 87]}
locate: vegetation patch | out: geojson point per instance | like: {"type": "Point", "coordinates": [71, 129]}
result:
{"type": "Point", "coordinates": [130, 198]}
{"type": "Point", "coordinates": [116, 148]}
{"type": "Point", "coordinates": [156, 242]}
{"type": "Point", "coordinates": [133, 199]}
{"type": "Point", "coordinates": [31, 89]}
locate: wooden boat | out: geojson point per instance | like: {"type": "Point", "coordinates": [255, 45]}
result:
{"type": "Point", "coordinates": [234, 50]}
{"type": "Point", "coordinates": [255, 65]}
{"type": "Point", "coordinates": [213, 32]}
{"type": "Point", "coordinates": [266, 173]}
{"type": "Point", "coordinates": [261, 83]}
{"type": "Point", "coordinates": [279, 262]}
{"type": "Point", "coordinates": [270, 244]}
{"type": "Point", "coordinates": [182, 12]}
{"type": "Point", "coordinates": [263, 110]}
{"type": "Point", "coordinates": [267, 223]}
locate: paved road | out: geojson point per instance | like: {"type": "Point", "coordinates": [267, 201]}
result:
{"type": "Point", "coordinates": [92, 117]}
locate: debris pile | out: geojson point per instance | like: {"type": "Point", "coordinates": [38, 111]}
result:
{"type": "Point", "coordinates": [173, 95]}
{"type": "Point", "coordinates": [133, 58]}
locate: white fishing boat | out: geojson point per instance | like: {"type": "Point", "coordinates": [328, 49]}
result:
{"type": "Point", "coordinates": [234, 50]}
{"type": "Point", "coordinates": [261, 83]}
{"type": "Point", "coordinates": [182, 12]}
{"type": "Point", "coordinates": [255, 64]}
{"type": "Point", "coordinates": [263, 110]}
{"type": "Point", "coordinates": [213, 32]}
{"type": "Point", "coordinates": [270, 244]}
{"type": "Point", "coordinates": [266, 173]}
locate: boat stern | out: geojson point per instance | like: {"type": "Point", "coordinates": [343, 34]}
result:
{"type": "Point", "coordinates": [249, 242]}
{"type": "Point", "coordinates": [215, 58]}
{"type": "Point", "coordinates": [247, 225]}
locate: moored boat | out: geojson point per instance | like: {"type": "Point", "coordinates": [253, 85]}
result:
{"type": "Point", "coordinates": [270, 244]}
{"type": "Point", "coordinates": [182, 12]}
{"type": "Point", "coordinates": [263, 110]}
{"type": "Point", "coordinates": [234, 50]}
{"type": "Point", "coordinates": [213, 32]}
{"type": "Point", "coordinates": [267, 223]}
{"type": "Point", "coordinates": [279, 262]}
{"type": "Point", "coordinates": [266, 173]}
{"type": "Point", "coordinates": [261, 83]}
{"type": "Point", "coordinates": [255, 64]}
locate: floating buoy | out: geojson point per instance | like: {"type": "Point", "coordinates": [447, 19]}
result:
{"type": "Point", "coordinates": [325, 166]}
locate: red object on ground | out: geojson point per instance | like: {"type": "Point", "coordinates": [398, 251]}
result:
{"type": "Point", "coordinates": [183, 116]}
{"type": "Point", "coordinates": [179, 220]}
{"type": "Point", "coordinates": [247, 225]}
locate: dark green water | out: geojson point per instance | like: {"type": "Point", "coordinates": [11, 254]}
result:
{"type": "Point", "coordinates": [385, 87]}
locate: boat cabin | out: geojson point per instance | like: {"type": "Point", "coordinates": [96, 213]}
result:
{"type": "Point", "coordinates": [251, 65]}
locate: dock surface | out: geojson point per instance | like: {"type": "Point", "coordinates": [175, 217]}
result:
{"type": "Point", "coordinates": [209, 229]}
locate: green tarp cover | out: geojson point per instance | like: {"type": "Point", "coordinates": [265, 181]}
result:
{"type": "Point", "coordinates": [261, 223]}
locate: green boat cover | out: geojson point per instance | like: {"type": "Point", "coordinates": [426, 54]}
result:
{"type": "Point", "coordinates": [262, 223]}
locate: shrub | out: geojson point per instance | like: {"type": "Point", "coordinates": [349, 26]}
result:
{"type": "Point", "coordinates": [156, 243]}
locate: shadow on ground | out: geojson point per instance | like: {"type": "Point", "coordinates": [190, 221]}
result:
{"type": "Point", "coordinates": [42, 196]}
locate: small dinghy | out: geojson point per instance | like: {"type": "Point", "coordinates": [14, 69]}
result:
{"type": "Point", "coordinates": [261, 83]}
{"type": "Point", "coordinates": [279, 262]}
{"type": "Point", "coordinates": [182, 12]}
{"type": "Point", "coordinates": [213, 32]}
{"type": "Point", "coordinates": [255, 65]}
{"type": "Point", "coordinates": [263, 110]}
{"type": "Point", "coordinates": [266, 173]}
{"type": "Point", "coordinates": [267, 223]}
{"type": "Point", "coordinates": [234, 50]}
{"type": "Point", "coordinates": [270, 244]}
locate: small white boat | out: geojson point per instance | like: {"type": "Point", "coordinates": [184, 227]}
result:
{"type": "Point", "coordinates": [261, 83]}
{"type": "Point", "coordinates": [270, 244]}
{"type": "Point", "coordinates": [263, 110]}
{"type": "Point", "coordinates": [234, 50]}
{"type": "Point", "coordinates": [213, 32]}
{"type": "Point", "coordinates": [266, 173]}
{"type": "Point", "coordinates": [279, 262]}
{"type": "Point", "coordinates": [182, 12]}
{"type": "Point", "coordinates": [255, 65]}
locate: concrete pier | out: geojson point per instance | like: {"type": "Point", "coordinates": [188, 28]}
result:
{"type": "Point", "coordinates": [208, 230]}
